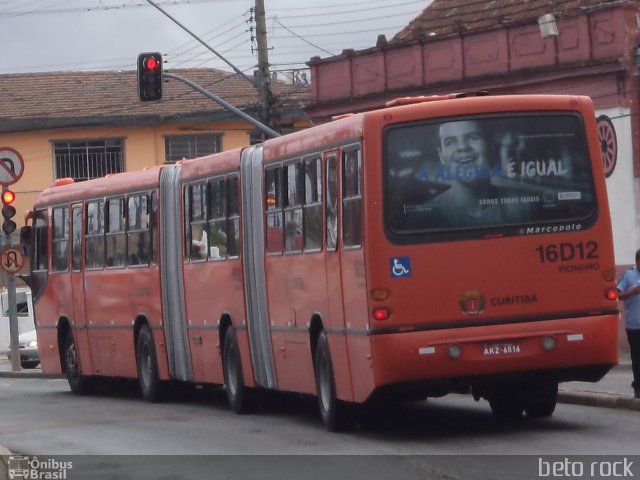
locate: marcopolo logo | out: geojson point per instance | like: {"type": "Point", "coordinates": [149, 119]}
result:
{"type": "Point", "coordinates": [23, 467]}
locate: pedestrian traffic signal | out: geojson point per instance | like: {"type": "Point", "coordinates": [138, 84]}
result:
{"type": "Point", "coordinates": [150, 76]}
{"type": "Point", "coordinates": [8, 212]}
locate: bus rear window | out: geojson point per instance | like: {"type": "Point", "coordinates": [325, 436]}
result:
{"type": "Point", "coordinates": [465, 175]}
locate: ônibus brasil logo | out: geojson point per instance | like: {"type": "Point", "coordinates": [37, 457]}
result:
{"type": "Point", "coordinates": [472, 303]}
{"type": "Point", "coordinates": [23, 467]}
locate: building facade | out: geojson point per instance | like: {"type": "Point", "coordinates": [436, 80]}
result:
{"type": "Point", "coordinates": [88, 124]}
{"type": "Point", "coordinates": [498, 46]}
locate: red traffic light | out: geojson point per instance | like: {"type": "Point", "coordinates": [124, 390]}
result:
{"type": "Point", "coordinates": [8, 197]}
{"type": "Point", "coordinates": [150, 76]}
{"type": "Point", "coordinates": [151, 63]}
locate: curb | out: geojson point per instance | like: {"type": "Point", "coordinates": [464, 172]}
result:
{"type": "Point", "coordinates": [26, 374]}
{"type": "Point", "coordinates": [603, 400]}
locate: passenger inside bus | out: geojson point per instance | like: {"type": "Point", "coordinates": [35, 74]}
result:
{"type": "Point", "coordinates": [200, 247]}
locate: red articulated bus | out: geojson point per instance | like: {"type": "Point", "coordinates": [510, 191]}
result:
{"type": "Point", "coordinates": [440, 244]}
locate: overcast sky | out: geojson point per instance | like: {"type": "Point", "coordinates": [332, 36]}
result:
{"type": "Point", "coordinates": [51, 35]}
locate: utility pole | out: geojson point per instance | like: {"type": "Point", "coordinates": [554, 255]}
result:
{"type": "Point", "coordinates": [264, 75]}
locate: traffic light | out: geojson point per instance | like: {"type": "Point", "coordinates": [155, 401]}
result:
{"type": "Point", "coordinates": [150, 76]}
{"type": "Point", "coordinates": [8, 211]}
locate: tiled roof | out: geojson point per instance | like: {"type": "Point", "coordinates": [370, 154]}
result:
{"type": "Point", "coordinates": [446, 17]}
{"type": "Point", "coordinates": [42, 100]}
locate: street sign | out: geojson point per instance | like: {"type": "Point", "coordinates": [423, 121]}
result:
{"type": "Point", "coordinates": [11, 166]}
{"type": "Point", "coordinates": [11, 260]}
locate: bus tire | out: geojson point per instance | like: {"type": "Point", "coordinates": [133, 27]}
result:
{"type": "Point", "coordinates": [79, 384]}
{"type": "Point", "coordinates": [542, 401]}
{"type": "Point", "coordinates": [237, 393]}
{"type": "Point", "coordinates": [147, 364]}
{"type": "Point", "coordinates": [332, 410]}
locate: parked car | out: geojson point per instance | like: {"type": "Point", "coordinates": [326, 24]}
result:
{"type": "Point", "coordinates": [28, 345]}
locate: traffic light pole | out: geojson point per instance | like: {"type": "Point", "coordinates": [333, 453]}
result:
{"type": "Point", "coordinates": [263, 128]}
{"type": "Point", "coordinates": [10, 284]}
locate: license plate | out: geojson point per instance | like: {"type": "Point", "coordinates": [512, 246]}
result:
{"type": "Point", "coordinates": [501, 349]}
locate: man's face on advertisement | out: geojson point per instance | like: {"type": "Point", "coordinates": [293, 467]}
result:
{"type": "Point", "coordinates": [463, 144]}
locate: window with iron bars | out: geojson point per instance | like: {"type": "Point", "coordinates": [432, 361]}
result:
{"type": "Point", "coordinates": [87, 159]}
{"type": "Point", "coordinates": [179, 147]}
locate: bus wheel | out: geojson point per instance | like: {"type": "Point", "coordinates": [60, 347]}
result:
{"type": "Point", "coordinates": [332, 410]}
{"type": "Point", "coordinates": [237, 394]}
{"type": "Point", "coordinates": [542, 401]}
{"type": "Point", "coordinates": [147, 365]}
{"type": "Point", "coordinates": [78, 383]}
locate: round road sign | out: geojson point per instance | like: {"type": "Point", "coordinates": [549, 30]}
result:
{"type": "Point", "coordinates": [11, 260]}
{"type": "Point", "coordinates": [11, 166]}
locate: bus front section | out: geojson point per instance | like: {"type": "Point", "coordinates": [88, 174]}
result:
{"type": "Point", "coordinates": [495, 260]}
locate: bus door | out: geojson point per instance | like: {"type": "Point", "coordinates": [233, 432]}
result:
{"type": "Point", "coordinates": [352, 269]}
{"type": "Point", "coordinates": [334, 324]}
{"type": "Point", "coordinates": [79, 323]}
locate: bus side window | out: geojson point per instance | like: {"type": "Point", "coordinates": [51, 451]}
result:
{"type": "Point", "coordinates": [41, 247]}
{"type": "Point", "coordinates": [94, 235]}
{"type": "Point", "coordinates": [138, 235]}
{"type": "Point", "coordinates": [293, 226]}
{"type": "Point", "coordinates": [352, 198]}
{"type": "Point", "coordinates": [197, 218]}
{"type": "Point", "coordinates": [116, 236]}
{"type": "Point", "coordinates": [273, 206]}
{"type": "Point", "coordinates": [76, 238]}
{"type": "Point", "coordinates": [218, 227]}
{"type": "Point", "coordinates": [313, 205]}
{"type": "Point", "coordinates": [331, 204]}
{"type": "Point", "coordinates": [233, 237]}
{"type": "Point", "coordinates": [60, 257]}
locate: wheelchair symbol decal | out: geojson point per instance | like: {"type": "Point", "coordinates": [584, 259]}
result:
{"type": "Point", "coordinates": [400, 267]}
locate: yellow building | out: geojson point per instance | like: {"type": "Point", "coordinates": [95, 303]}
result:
{"type": "Point", "coordinates": [87, 124]}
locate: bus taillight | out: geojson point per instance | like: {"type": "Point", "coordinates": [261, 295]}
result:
{"type": "Point", "coordinates": [381, 313]}
{"type": "Point", "coordinates": [611, 294]}
{"type": "Point", "coordinates": [379, 294]}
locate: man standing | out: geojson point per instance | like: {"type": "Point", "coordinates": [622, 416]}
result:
{"type": "Point", "coordinates": [629, 292]}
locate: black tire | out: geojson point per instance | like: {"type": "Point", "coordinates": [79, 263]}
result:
{"type": "Point", "coordinates": [332, 411]}
{"type": "Point", "coordinates": [29, 364]}
{"type": "Point", "coordinates": [79, 384]}
{"type": "Point", "coordinates": [542, 401]}
{"type": "Point", "coordinates": [147, 364]}
{"type": "Point", "coordinates": [238, 395]}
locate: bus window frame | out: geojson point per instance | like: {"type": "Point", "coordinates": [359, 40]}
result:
{"type": "Point", "coordinates": [64, 238]}
{"type": "Point", "coordinates": [293, 205]}
{"type": "Point", "coordinates": [222, 219]}
{"type": "Point", "coordinates": [347, 199]}
{"type": "Point", "coordinates": [275, 210]}
{"type": "Point", "coordinates": [41, 240]}
{"type": "Point", "coordinates": [145, 229]}
{"type": "Point", "coordinates": [99, 235]}
{"type": "Point", "coordinates": [309, 204]}
{"type": "Point", "coordinates": [201, 221]}
{"type": "Point", "coordinates": [115, 234]}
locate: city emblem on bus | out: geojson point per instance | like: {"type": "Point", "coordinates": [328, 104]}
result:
{"type": "Point", "coordinates": [400, 267]}
{"type": "Point", "coordinates": [472, 303]}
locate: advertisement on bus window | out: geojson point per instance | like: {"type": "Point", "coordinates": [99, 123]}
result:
{"type": "Point", "coordinates": [488, 172]}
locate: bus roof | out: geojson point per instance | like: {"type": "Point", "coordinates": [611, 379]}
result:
{"type": "Point", "coordinates": [99, 187]}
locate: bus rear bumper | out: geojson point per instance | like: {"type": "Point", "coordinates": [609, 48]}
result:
{"type": "Point", "coordinates": [575, 349]}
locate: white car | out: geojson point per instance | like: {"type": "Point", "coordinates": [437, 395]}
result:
{"type": "Point", "coordinates": [28, 345]}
